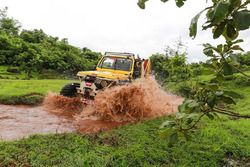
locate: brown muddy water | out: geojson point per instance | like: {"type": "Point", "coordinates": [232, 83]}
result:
{"type": "Point", "coordinates": [20, 121]}
{"type": "Point", "coordinates": [17, 122]}
{"type": "Point", "coordinates": [142, 100]}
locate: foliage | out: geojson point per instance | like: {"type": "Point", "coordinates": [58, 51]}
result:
{"type": "Point", "coordinates": [172, 65]}
{"type": "Point", "coordinates": [170, 68]}
{"type": "Point", "coordinates": [244, 59]}
{"type": "Point", "coordinates": [33, 50]}
{"type": "Point", "coordinates": [226, 18]}
{"type": "Point", "coordinates": [8, 25]}
{"type": "Point", "coordinates": [242, 81]}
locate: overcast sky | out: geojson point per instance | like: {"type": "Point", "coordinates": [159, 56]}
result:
{"type": "Point", "coordinates": [116, 25]}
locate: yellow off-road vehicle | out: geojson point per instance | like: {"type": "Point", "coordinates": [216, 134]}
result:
{"type": "Point", "coordinates": [113, 69]}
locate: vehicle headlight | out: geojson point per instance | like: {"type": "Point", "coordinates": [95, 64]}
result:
{"type": "Point", "coordinates": [104, 84]}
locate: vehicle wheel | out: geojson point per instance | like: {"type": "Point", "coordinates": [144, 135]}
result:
{"type": "Point", "coordinates": [70, 90]}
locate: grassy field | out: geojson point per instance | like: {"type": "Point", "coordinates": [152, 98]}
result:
{"type": "Point", "coordinates": [27, 91]}
{"type": "Point", "coordinates": [4, 74]}
{"type": "Point", "coordinates": [17, 88]}
{"type": "Point", "coordinates": [217, 143]}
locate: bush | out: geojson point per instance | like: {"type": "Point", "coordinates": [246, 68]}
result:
{"type": "Point", "coordinates": [229, 77]}
{"type": "Point", "coordinates": [242, 81]}
{"type": "Point", "coordinates": [13, 70]}
{"type": "Point", "coordinates": [28, 99]}
{"type": "Point", "coordinates": [184, 90]}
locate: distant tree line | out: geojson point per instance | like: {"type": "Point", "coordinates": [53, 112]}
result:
{"type": "Point", "coordinates": [172, 65]}
{"type": "Point", "coordinates": [35, 51]}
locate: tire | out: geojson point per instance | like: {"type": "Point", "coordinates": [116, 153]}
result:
{"type": "Point", "coordinates": [70, 90]}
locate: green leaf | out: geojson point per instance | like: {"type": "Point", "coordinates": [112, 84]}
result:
{"type": "Point", "coordinates": [219, 77]}
{"type": "Point", "coordinates": [182, 108]}
{"type": "Point", "coordinates": [210, 116]}
{"type": "Point", "coordinates": [179, 3]}
{"type": "Point", "coordinates": [179, 115]}
{"type": "Point", "coordinates": [234, 4]}
{"type": "Point", "coordinates": [186, 135]}
{"type": "Point", "coordinates": [193, 104]}
{"type": "Point", "coordinates": [164, 0]}
{"type": "Point", "coordinates": [213, 86]}
{"type": "Point", "coordinates": [237, 41]}
{"type": "Point", "coordinates": [208, 52]}
{"type": "Point", "coordinates": [141, 3]}
{"type": "Point", "coordinates": [242, 19]}
{"type": "Point", "coordinates": [231, 33]}
{"type": "Point", "coordinates": [232, 94]}
{"type": "Point", "coordinates": [173, 138]}
{"type": "Point", "coordinates": [164, 134]}
{"type": "Point", "coordinates": [219, 93]}
{"type": "Point", "coordinates": [227, 100]}
{"type": "Point", "coordinates": [219, 30]}
{"type": "Point", "coordinates": [220, 11]}
{"type": "Point", "coordinates": [227, 69]}
{"type": "Point", "coordinates": [211, 101]}
{"type": "Point", "coordinates": [193, 25]}
{"type": "Point", "coordinates": [209, 14]}
{"type": "Point", "coordinates": [234, 58]}
{"type": "Point", "coordinates": [166, 124]}
{"type": "Point", "coordinates": [192, 115]}
{"type": "Point", "coordinates": [237, 47]}
{"type": "Point", "coordinates": [220, 47]}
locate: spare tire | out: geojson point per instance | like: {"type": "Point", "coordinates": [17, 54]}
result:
{"type": "Point", "coordinates": [70, 90]}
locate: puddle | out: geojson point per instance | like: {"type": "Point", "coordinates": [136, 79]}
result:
{"type": "Point", "coordinates": [21, 121]}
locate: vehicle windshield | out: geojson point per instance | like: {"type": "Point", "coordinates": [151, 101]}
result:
{"type": "Point", "coordinates": [116, 63]}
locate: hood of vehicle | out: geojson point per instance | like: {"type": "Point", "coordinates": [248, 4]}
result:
{"type": "Point", "coordinates": [104, 74]}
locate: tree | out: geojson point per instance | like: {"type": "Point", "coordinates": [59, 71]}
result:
{"type": "Point", "coordinates": [226, 18]}
{"type": "Point", "coordinates": [35, 51]}
{"type": "Point", "coordinates": [34, 36]}
{"type": "Point", "coordinates": [8, 25]}
{"type": "Point", "coordinates": [172, 65]}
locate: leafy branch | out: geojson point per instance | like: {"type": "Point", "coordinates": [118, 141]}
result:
{"type": "Point", "coordinates": [226, 18]}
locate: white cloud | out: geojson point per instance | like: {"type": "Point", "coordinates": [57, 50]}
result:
{"type": "Point", "coordinates": [114, 25]}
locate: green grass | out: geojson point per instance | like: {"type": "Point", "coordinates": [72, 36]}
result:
{"type": "Point", "coordinates": [4, 74]}
{"type": "Point", "coordinates": [133, 145]}
{"type": "Point", "coordinates": [27, 91]}
{"type": "Point", "coordinates": [17, 88]}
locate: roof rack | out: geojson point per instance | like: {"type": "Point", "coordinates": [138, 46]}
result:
{"type": "Point", "coordinates": [118, 54]}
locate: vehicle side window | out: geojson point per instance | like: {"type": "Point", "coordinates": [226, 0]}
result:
{"type": "Point", "coordinates": [137, 69]}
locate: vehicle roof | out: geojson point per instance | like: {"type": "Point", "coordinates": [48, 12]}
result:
{"type": "Point", "coordinates": [119, 54]}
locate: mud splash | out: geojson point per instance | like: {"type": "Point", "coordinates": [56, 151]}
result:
{"type": "Point", "coordinates": [89, 126]}
{"type": "Point", "coordinates": [143, 99]}
{"type": "Point", "coordinates": [62, 106]}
